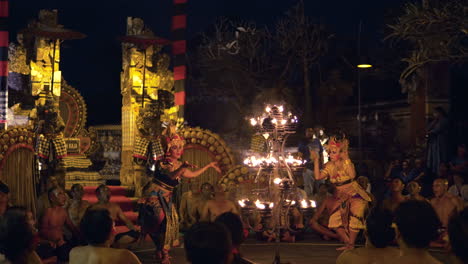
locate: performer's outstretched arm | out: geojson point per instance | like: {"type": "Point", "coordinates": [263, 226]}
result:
{"type": "Point", "coordinates": [192, 174]}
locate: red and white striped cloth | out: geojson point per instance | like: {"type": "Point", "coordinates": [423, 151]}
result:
{"type": "Point", "coordinates": [3, 62]}
{"type": "Point", "coordinates": [179, 47]}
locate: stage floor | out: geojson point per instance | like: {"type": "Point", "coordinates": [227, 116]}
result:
{"type": "Point", "coordinates": [311, 250]}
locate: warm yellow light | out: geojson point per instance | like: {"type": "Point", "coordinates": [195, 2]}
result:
{"type": "Point", "coordinates": [363, 66]}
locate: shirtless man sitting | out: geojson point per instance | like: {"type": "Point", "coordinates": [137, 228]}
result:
{"type": "Point", "coordinates": [414, 190]}
{"type": "Point", "coordinates": [199, 201]}
{"type": "Point", "coordinates": [77, 206]}
{"type": "Point", "coordinates": [103, 194]}
{"type": "Point", "coordinates": [43, 202]}
{"type": "Point", "coordinates": [218, 206]}
{"type": "Point", "coordinates": [363, 181]}
{"type": "Point", "coordinates": [186, 219]}
{"type": "Point", "coordinates": [445, 205]}
{"type": "Point", "coordinates": [97, 228]}
{"type": "Point", "coordinates": [396, 198]}
{"type": "Point", "coordinates": [319, 221]}
{"type": "Point", "coordinates": [52, 224]}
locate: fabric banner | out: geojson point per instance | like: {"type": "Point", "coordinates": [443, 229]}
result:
{"type": "Point", "coordinates": [179, 46]}
{"type": "Point", "coordinates": [3, 62]}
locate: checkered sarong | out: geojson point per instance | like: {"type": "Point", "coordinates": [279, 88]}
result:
{"type": "Point", "coordinates": [43, 146]}
{"type": "Point", "coordinates": [142, 148]}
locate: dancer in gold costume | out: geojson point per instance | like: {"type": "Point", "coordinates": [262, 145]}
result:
{"type": "Point", "coordinates": [157, 215]}
{"type": "Point", "coordinates": [353, 200]}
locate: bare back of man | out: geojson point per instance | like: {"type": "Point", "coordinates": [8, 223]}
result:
{"type": "Point", "coordinates": [101, 255]}
{"type": "Point", "coordinates": [113, 208]}
{"type": "Point", "coordinates": [116, 213]}
{"type": "Point", "coordinates": [392, 204]}
{"type": "Point", "coordinates": [214, 208]}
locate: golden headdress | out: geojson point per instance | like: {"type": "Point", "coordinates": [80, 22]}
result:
{"type": "Point", "coordinates": [338, 143]}
{"type": "Point", "coordinates": [172, 138]}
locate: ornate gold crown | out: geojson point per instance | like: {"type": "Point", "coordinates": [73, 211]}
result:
{"type": "Point", "coordinates": [340, 144]}
{"type": "Point", "coordinates": [172, 138]}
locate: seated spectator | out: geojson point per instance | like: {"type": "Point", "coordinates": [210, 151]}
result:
{"type": "Point", "coordinates": [444, 203]}
{"type": "Point", "coordinates": [460, 162]}
{"type": "Point", "coordinates": [199, 200]}
{"type": "Point", "coordinates": [52, 224]}
{"type": "Point", "coordinates": [459, 188]}
{"type": "Point", "coordinates": [43, 201]}
{"type": "Point", "coordinates": [458, 234]}
{"type": "Point", "coordinates": [234, 224]}
{"type": "Point", "coordinates": [218, 205]}
{"type": "Point", "coordinates": [414, 190]}
{"type": "Point", "coordinates": [97, 227]}
{"type": "Point", "coordinates": [319, 221]}
{"type": "Point", "coordinates": [4, 197]}
{"type": "Point", "coordinates": [393, 169]}
{"type": "Point", "coordinates": [405, 173]}
{"type": "Point", "coordinates": [208, 243]}
{"type": "Point", "coordinates": [379, 234]}
{"type": "Point", "coordinates": [417, 226]}
{"type": "Point", "coordinates": [363, 181]}
{"type": "Point", "coordinates": [396, 196]}
{"type": "Point", "coordinates": [103, 194]}
{"type": "Point", "coordinates": [17, 237]}
{"type": "Point", "coordinates": [77, 206]}
{"type": "Point", "coordinates": [185, 208]}
{"type": "Point", "coordinates": [321, 194]}
{"type": "Point", "coordinates": [444, 173]}
{"type": "Point", "coordinates": [418, 172]}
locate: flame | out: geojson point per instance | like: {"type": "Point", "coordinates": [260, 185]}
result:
{"type": "Point", "coordinates": [253, 122]}
{"type": "Point", "coordinates": [271, 205]}
{"type": "Point", "coordinates": [313, 204]}
{"type": "Point", "coordinates": [277, 181]}
{"type": "Point", "coordinates": [304, 204]}
{"type": "Point", "coordinates": [241, 203]}
{"type": "Point", "coordinates": [259, 205]}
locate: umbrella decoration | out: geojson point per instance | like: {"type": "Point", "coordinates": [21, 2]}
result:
{"type": "Point", "coordinates": [53, 33]}
{"type": "Point", "coordinates": [144, 42]}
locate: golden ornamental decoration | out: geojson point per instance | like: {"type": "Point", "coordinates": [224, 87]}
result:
{"type": "Point", "coordinates": [73, 110]}
{"type": "Point", "coordinates": [209, 141]}
{"type": "Point", "coordinates": [234, 177]}
{"type": "Point", "coordinates": [15, 136]}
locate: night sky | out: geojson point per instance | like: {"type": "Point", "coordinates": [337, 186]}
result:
{"type": "Point", "coordinates": [93, 65]}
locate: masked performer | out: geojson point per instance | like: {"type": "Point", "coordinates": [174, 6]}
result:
{"type": "Point", "coordinates": [353, 200]}
{"type": "Point", "coordinates": [158, 215]}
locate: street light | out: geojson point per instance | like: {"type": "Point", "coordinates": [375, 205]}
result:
{"type": "Point", "coordinates": [364, 65]}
